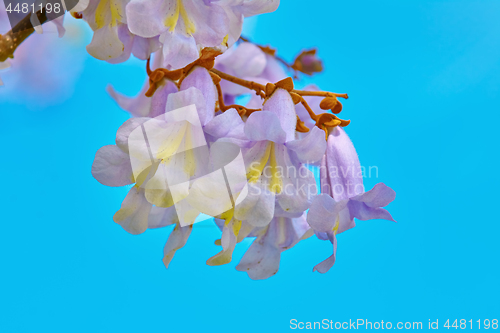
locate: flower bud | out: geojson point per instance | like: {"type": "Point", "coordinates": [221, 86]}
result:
{"type": "Point", "coordinates": [308, 63]}
{"type": "Point", "coordinates": [331, 103]}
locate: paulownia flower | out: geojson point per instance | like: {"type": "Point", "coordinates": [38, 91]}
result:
{"type": "Point", "coordinates": [275, 160]}
{"type": "Point", "coordinates": [186, 27]}
{"type": "Point", "coordinates": [148, 205]}
{"type": "Point", "coordinates": [343, 197]}
{"type": "Point", "coordinates": [262, 259]}
{"type": "Point", "coordinates": [112, 41]}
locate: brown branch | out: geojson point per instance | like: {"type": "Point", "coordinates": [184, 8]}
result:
{"type": "Point", "coordinates": [11, 41]}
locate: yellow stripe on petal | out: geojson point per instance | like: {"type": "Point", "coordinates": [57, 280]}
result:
{"type": "Point", "coordinates": [116, 13]}
{"type": "Point", "coordinates": [236, 227]}
{"type": "Point", "coordinates": [100, 13]}
{"type": "Point", "coordinates": [170, 146]}
{"type": "Point", "coordinates": [108, 12]}
{"type": "Point", "coordinates": [190, 27]}
{"type": "Point", "coordinates": [227, 216]}
{"type": "Point", "coordinates": [257, 167]}
{"type": "Point", "coordinates": [276, 184]}
{"type": "Point", "coordinates": [172, 18]}
{"type": "Point", "coordinates": [190, 161]}
{"type": "Point", "coordinates": [336, 226]}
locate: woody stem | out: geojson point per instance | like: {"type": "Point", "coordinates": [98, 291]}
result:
{"type": "Point", "coordinates": [319, 93]}
{"type": "Point", "coordinates": [11, 40]}
{"type": "Point", "coordinates": [247, 84]}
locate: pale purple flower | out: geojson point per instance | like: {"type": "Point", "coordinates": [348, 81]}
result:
{"type": "Point", "coordinates": [343, 197]}
{"type": "Point", "coordinates": [262, 259]}
{"type": "Point", "coordinates": [185, 27]}
{"type": "Point", "coordinates": [274, 158]}
{"type": "Point", "coordinates": [146, 205]}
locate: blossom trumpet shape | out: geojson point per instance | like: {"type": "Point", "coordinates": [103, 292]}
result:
{"type": "Point", "coordinates": [343, 197]}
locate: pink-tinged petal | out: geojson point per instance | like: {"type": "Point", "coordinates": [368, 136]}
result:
{"type": "Point", "coordinates": [281, 104]}
{"type": "Point", "coordinates": [142, 48]}
{"type": "Point", "coordinates": [146, 18]}
{"type": "Point", "coordinates": [112, 167]}
{"type": "Point", "coordinates": [229, 126]}
{"type": "Point", "coordinates": [105, 43]}
{"type": "Point", "coordinates": [326, 264]}
{"type": "Point", "coordinates": [177, 239]}
{"type": "Point", "coordinates": [200, 79]}
{"type": "Point", "coordinates": [344, 169]}
{"type": "Point", "coordinates": [161, 217]}
{"type": "Point", "coordinates": [178, 51]}
{"type": "Point", "coordinates": [124, 132]}
{"type": "Point", "coordinates": [264, 125]}
{"type": "Point", "coordinates": [134, 212]}
{"type": "Point", "coordinates": [311, 148]}
{"type": "Point", "coordinates": [324, 211]}
{"type": "Point", "coordinates": [379, 196]}
{"type": "Point", "coordinates": [257, 208]}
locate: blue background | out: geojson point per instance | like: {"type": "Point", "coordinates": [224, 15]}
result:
{"type": "Point", "coordinates": [423, 79]}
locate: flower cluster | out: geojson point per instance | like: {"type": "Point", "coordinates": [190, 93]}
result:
{"type": "Point", "coordinates": [181, 28]}
{"type": "Point", "coordinates": [192, 149]}
{"type": "Point", "coordinates": [280, 136]}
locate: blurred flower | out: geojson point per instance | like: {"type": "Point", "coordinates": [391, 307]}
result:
{"type": "Point", "coordinates": [35, 77]}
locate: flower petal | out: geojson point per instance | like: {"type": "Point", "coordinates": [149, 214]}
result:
{"type": "Point", "coordinates": [134, 212]}
{"type": "Point", "coordinates": [344, 170]}
{"type": "Point", "coordinates": [264, 125]}
{"type": "Point", "coordinates": [326, 264]}
{"type": "Point", "coordinates": [145, 18]}
{"type": "Point", "coordinates": [105, 43]}
{"type": "Point", "coordinates": [177, 239]}
{"type": "Point", "coordinates": [200, 79]}
{"type": "Point", "coordinates": [112, 167]}
{"type": "Point", "coordinates": [229, 126]}
{"type": "Point", "coordinates": [281, 104]}
{"type": "Point", "coordinates": [379, 196]}
{"type": "Point", "coordinates": [311, 148]}
{"type": "Point", "coordinates": [324, 211]}
{"type": "Point", "coordinates": [178, 51]}
{"type": "Point", "coordinates": [161, 217]}
{"type": "Point", "coordinates": [258, 206]}
{"type": "Point", "coordinates": [124, 131]}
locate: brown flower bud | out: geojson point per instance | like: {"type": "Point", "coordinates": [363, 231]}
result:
{"type": "Point", "coordinates": [308, 63]}
{"type": "Point", "coordinates": [331, 103]}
